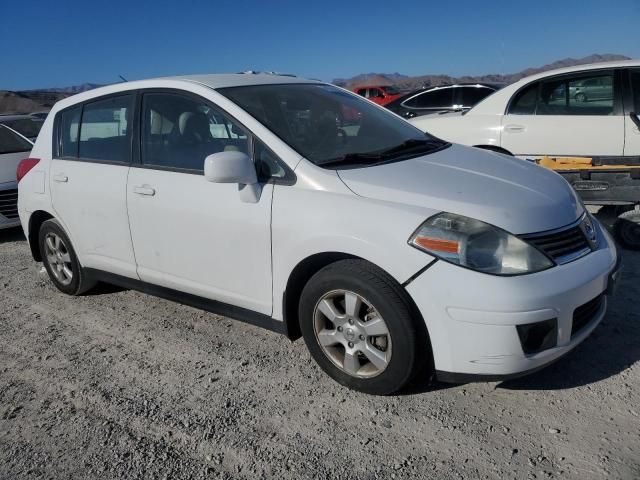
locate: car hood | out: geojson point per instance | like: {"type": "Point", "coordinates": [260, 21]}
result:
{"type": "Point", "coordinates": [512, 194]}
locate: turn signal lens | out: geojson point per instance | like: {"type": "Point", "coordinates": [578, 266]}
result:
{"type": "Point", "coordinates": [437, 245]}
{"type": "Point", "coordinates": [25, 166]}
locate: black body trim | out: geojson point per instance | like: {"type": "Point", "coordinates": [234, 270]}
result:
{"type": "Point", "coordinates": [419, 272]}
{"type": "Point", "coordinates": [213, 306]}
{"type": "Point", "coordinates": [460, 378]}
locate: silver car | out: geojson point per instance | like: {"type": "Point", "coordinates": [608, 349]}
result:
{"type": "Point", "coordinates": [13, 148]}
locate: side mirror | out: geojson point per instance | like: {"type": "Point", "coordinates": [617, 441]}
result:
{"type": "Point", "coordinates": [230, 167]}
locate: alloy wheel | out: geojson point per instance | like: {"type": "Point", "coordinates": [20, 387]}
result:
{"type": "Point", "coordinates": [352, 334]}
{"type": "Point", "coordinates": [58, 258]}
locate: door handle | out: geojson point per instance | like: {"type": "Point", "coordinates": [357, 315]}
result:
{"type": "Point", "coordinates": [515, 128]}
{"type": "Point", "coordinates": [635, 118]}
{"type": "Point", "coordinates": [144, 190]}
{"type": "Point", "coordinates": [60, 178]}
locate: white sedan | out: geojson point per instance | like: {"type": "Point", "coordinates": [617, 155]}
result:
{"type": "Point", "coordinates": [303, 208]}
{"type": "Point", "coordinates": [587, 110]}
{"type": "Point", "coordinates": [13, 148]}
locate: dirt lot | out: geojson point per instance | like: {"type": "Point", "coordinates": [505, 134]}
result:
{"type": "Point", "coordinates": [121, 385]}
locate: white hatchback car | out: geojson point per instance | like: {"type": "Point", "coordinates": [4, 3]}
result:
{"type": "Point", "coordinates": [587, 110]}
{"type": "Point", "coordinates": [303, 208]}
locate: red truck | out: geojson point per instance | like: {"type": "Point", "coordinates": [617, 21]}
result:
{"type": "Point", "coordinates": [380, 94]}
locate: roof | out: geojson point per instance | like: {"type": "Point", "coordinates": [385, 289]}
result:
{"type": "Point", "coordinates": [213, 81]}
{"type": "Point", "coordinates": [240, 79]}
{"type": "Point", "coordinates": [580, 68]}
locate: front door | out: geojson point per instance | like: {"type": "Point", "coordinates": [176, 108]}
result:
{"type": "Point", "coordinates": [573, 115]}
{"type": "Point", "coordinates": [189, 234]}
{"type": "Point", "coordinates": [88, 179]}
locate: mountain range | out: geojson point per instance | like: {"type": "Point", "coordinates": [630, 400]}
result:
{"type": "Point", "coordinates": [405, 82]}
{"type": "Point", "coordinates": [27, 101]}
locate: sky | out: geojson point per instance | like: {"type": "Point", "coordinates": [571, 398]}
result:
{"type": "Point", "coordinates": [58, 43]}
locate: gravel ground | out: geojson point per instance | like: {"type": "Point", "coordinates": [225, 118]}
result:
{"type": "Point", "coordinates": [121, 385]}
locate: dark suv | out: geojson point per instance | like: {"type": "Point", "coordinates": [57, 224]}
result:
{"type": "Point", "coordinates": [443, 98]}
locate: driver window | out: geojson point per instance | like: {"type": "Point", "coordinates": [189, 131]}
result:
{"type": "Point", "coordinates": [180, 132]}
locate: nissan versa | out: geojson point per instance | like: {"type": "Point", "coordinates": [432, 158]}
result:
{"type": "Point", "coordinates": [393, 253]}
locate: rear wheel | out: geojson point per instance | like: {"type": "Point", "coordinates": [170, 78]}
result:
{"type": "Point", "coordinates": [60, 260]}
{"type": "Point", "coordinates": [627, 229]}
{"type": "Point", "coordinates": [358, 325]}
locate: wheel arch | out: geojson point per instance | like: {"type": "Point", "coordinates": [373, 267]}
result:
{"type": "Point", "coordinates": [495, 148]}
{"type": "Point", "coordinates": [308, 267]}
{"type": "Point", "coordinates": [36, 220]}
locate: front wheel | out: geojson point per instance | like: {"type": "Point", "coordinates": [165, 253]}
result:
{"type": "Point", "coordinates": [358, 325]}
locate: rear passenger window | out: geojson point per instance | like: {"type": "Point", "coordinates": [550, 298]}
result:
{"type": "Point", "coordinates": [582, 95]}
{"type": "Point", "coordinates": [68, 131]}
{"type": "Point", "coordinates": [180, 132]}
{"type": "Point", "coordinates": [569, 95]}
{"type": "Point", "coordinates": [105, 130]}
{"type": "Point", "coordinates": [524, 102]}
{"type": "Point", "coordinates": [439, 98]}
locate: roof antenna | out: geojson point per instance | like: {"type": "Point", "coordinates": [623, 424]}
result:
{"type": "Point", "coordinates": [123, 79]}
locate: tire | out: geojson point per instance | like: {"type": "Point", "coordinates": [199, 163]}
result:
{"type": "Point", "coordinates": [60, 260]}
{"type": "Point", "coordinates": [627, 229]}
{"type": "Point", "coordinates": [380, 322]}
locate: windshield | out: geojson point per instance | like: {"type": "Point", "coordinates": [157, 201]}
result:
{"type": "Point", "coordinates": [25, 126]}
{"type": "Point", "coordinates": [391, 90]}
{"type": "Point", "coordinates": [331, 127]}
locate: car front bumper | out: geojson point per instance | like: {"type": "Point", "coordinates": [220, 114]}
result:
{"type": "Point", "coordinates": [8, 205]}
{"type": "Point", "coordinates": [472, 317]}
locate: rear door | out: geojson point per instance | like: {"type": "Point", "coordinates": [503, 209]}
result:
{"type": "Point", "coordinates": [632, 117]}
{"type": "Point", "coordinates": [572, 115]}
{"type": "Point", "coordinates": [88, 180]}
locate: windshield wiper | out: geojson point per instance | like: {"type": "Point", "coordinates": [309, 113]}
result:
{"type": "Point", "coordinates": [408, 145]}
{"type": "Point", "coordinates": [413, 145]}
{"type": "Point", "coordinates": [354, 159]}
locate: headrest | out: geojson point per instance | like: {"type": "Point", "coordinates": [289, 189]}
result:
{"type": "Point", "coordinates": [194, 125]}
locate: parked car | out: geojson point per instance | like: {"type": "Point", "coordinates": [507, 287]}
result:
{"type": "Point", "coordinates": [39, 115]}
{"type": "Point", "coordinates": [380, 94]}
{"type": "Point", "coordinates": [443, 98]}
{"type": "Point", "coordinates": [13, 148]}
{"type": "Point", "coordinates": [589, 111]}
{"type": "Point", "coordinates": [394, 254]}
{"type": "Point", "coordinates": [26, 125]}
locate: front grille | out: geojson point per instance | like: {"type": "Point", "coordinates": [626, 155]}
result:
{"type": "Point", "coordinates": [562, 246]}
{"type": "Point", "coordinates": [585, 313]}
{"type": "Point", "coordinates": [9, 203]}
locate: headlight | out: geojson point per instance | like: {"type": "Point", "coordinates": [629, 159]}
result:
{"type": "Point", "coordinates": [477, 245]}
